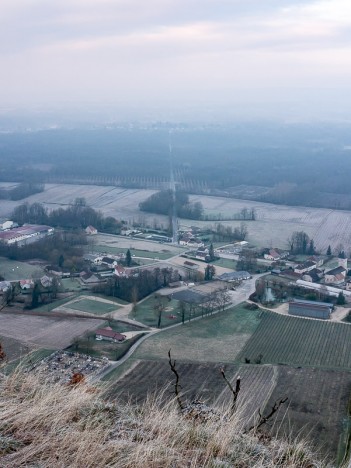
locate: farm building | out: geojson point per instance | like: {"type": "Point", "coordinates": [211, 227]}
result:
{"type": "Point", "coordinates": [304, 267]}
{"type": "Point", "coordinates": [26, 233]}
{"type": "Point", "coordinates": [235, 276]}
{"type": "Point", "coordinates": [275, 254]}
{"type": "Point", "coordinates": [336, 275]}
{"type": "Point", "coordinates": [191, 265]}
{"type": "Point", "coordinates": [109, 335]}
{"type": "Point", "coordinates": [312, 309]}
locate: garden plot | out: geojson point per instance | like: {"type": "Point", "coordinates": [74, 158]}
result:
{"type": "Point", "coordinates": [49, 332]}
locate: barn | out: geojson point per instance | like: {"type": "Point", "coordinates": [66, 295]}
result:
{"type": "Point", "coordinates": [312, 309]}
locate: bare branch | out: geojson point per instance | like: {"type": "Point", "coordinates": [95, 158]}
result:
{"type": "Point", "coordinates": [263, 419]}
{"type": "Point", "coordinates": [235, 391]}
{"type": "Point", "coordinates": [176, 384]}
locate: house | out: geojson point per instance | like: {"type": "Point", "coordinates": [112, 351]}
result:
{"type": "Point", "coordinates": [88, 278]}
{"type": "Point", "coordinates": [335, 276]}
{"type": "Point", "coordinates": [272, 254]}
{"type": "Point", "coordinates": [313, 276]}
{"type": "Point", "coordinates": [26, 284]}
{"type": "Point", "coordinates": [109, 335]}
{"type": "Point", "coordinates": [234, 276]}
{"type": "Point", "coordinates": [202, 256]}
{"type": "Point", "coordinates": [120, 271]}
{"type": "Point", "coordinates": [304, 267]}
{"type": "Point", "coordinates": [275, 254]}
{"type": "Point", "coordinates": [90, 230]}
{"type": "Point", "coordinates": [110, 262]}
{"type": "Point", "coordinates": [46, 281]}
{"type": "Point", "coordinates": [311, 309]}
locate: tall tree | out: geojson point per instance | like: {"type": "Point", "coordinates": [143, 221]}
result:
{"type": "Point", "coordinates": [128, 258]}
{"type": "Point", "coordinates": [329, 252]}
{"type": "Point", "coordinates": [211, 252]}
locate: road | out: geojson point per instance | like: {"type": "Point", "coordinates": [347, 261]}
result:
{"type": "Point", "coordinates": [239, 295]}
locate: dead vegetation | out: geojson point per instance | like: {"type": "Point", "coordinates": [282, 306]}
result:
{"type": "Point", "coordinates": [53, 425]}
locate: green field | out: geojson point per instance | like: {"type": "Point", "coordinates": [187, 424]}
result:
{"type": "Point", "coordinates": [93, 306]}
{"type": "Point", "coordinates": [146, 313]}
{"type": "Point", "coordinates": [225, 263]}
{"type": "Point", "coordinates": [71, 284]}
{"type": "Point", "coordinates": [217, 338]}
{"type": "Point", "coordinates": [297, 341]}
{"type": "Point", "coordinates": [110, 350]}
{"type": "Point", "coordinates": [135, 252]}
{"type": "Point", "coordinates": [12, 270]}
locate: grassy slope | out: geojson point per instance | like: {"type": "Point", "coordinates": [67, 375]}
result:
{"type": "Point", "coordinates": [217, 338]}
{"type": "Point", "coordinates": [54, 425]}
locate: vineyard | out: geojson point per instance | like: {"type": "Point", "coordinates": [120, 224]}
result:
{"type": "Point", "coordinates": [317, 407]}
{"type": "Point", "coordinates": [311, 392]}
{"type": "Point", "coordinates": [296, 341]}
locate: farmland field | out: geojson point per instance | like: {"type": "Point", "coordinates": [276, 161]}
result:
{"type": "Point", "coordinates": [13, 270]}
{"type": "Point", "coordinates": [310, 392]}
{"type": "Point", "coordinates": [273, 226]}
{"type": "Point", "coordinates": [14, 349]}
{"type": "Point", "coordinates": [318, 406]}
{"type": "Point", "coordinates": [49, 332]}
{"type": "Point", "coordinates": [218, 338]}
{"type": "Point", "coordinates": [299, 341]}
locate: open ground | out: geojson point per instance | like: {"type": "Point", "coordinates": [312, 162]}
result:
{"type": "Point", "coordinates": [46, 332]}
{"type": "Point", "coordinates": [274, 224]}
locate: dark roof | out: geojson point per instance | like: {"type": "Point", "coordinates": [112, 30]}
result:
{"type": "Point", "coordinates": [189, 296]}
{"type": "Point", "coordinates": [108, 260]}
{"type": "Point", "coordinates": [311, 304]}
{"type": "Point", "coordinates": [234, 275]}
{"type": "Point", "coordinates": [335, 271]}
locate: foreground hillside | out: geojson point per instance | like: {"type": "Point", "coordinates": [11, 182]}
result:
{"type": "Point", "coordinates": [46, 425]}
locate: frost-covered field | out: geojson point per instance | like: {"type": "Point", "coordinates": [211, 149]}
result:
{"type": "Point", "coordinates": [274, 224]}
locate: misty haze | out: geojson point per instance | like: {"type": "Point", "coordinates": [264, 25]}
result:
{"type": "Point", "coordinates": [175, 233]}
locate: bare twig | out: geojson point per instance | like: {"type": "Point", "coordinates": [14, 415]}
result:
{"type": "Point", "coordinates": [263, 419]}
{"type": "Point", "coordinates": [176, 384]}
{"type": "Point", "coordinates": [235, 391]}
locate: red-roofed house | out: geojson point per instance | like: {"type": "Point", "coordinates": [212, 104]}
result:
{"type": "Point", "coordinates": [109, 335]}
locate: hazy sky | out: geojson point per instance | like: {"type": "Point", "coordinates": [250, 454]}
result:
{"type": "Point", "coordinates": [289, 58]}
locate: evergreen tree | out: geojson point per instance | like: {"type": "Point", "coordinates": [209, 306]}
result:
{"type": "Point", "coordinates": [211, 253]}
{"type": "Point", "coordinates": [128, 258]}
{"type": "Point", "coordinates": [341, 299]}
{"type": "Point", "coordinates": [329, 252]}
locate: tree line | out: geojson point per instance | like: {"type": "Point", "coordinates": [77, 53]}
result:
{"type": "Point", "coordinates": [23, 190]}
{"type": "Point", "coordinates": [77, 216]}
{"type": "Point", "coordinates": [136, 287]}
{"type": "Point", "coordinates": [222, 233]}
{"type": "Point", "coordinates": [162, 203]}
{"type": "Point", "coordinates": [64, 249]}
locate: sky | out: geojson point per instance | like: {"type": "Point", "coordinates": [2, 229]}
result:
{"type": "Point", "coordinates": [256, 58]}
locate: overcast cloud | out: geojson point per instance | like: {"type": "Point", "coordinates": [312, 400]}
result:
{"type": "Point", "coordinates": [274, 57]}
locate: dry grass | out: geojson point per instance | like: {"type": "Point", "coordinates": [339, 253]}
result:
{"type": "Point", "coordinates": [46, 425]}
